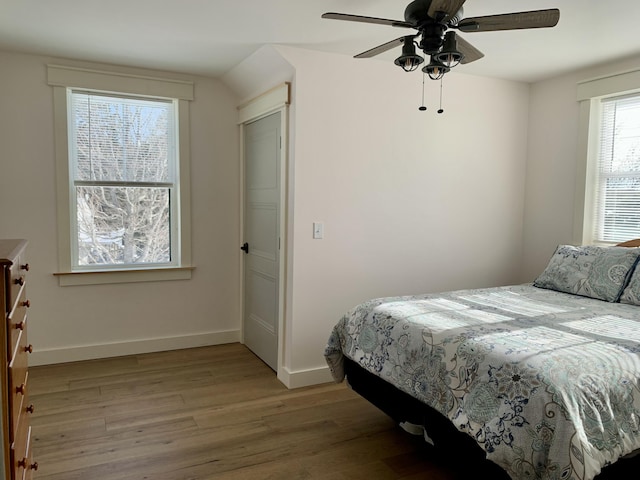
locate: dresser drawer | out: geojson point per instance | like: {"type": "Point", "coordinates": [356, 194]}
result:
{"type": "Point", "coordinates": [18, 375]}
{"type": "Point", "coordinates": [19, 450]}
{"type": "Point", "coordinates": [20, 414]}
{"type": "Point", "coordinates": [18, 277]}
{"type": "Point", "coordinates": [21, 456]}
{"type": "Point", "coordinates": [29, 465]}
{"type": "Point", "coordinates": [17, 322]}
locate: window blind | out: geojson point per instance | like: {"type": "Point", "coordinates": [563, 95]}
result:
{"type": "Point", "coordinates": [122, 139]}
{"type": "Point", "coordinates": [617, 212]}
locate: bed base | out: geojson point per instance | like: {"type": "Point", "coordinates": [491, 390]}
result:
{"type": "Point", "coordinates": [449, 441]}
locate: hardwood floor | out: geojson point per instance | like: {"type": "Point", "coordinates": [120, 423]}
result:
{"type": "Point", "coordinates": [211, 413]}
{"type": "Point", "coordinates": [220, 413]}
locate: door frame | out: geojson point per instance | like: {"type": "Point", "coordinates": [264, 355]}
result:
{"type": "Point", "coordinates": [273, 101]}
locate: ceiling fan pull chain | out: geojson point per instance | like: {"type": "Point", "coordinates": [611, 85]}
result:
{"type": "Point", "coordinates": [440, 110]}
{"type": "Point", "coordinates": [422, 107]}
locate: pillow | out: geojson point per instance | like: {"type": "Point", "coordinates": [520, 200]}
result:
{"type": "Point", "coordinates": [631, 293]}
{"type": "Point", "coordinates": [591, 271]}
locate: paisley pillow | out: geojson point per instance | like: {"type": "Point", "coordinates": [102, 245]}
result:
{"type": "Point", "coordinates": [591, 271]}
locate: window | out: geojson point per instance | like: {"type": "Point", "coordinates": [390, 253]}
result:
{"type": "Point", "coordinates": [608, 177]}
{"type": "Point", "coordinates": [617, 176]}
{"type": "Point", "coordinates": [123, 176]}
{"type": "Point", "coordinates": [123, 183]}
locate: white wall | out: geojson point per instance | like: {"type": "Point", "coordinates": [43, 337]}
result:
{"type": "Point", "coordinates": [553, 162]}
{"type": "Point", "coordinates": [411, 201]}
{"type": "Point", "coordinates": [69, 323]}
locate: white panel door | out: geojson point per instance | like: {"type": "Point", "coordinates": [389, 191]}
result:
{"type": "Point", "coordinates": [261, 237]}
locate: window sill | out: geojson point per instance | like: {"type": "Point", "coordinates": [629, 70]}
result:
{"type": "Point", "coordinates": [67, 279]}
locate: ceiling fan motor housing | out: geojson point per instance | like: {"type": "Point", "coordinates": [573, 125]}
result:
{"type": "Point", "coordinates": [431, 30]}
{"type": "Point", "coordinates": [416, 14]}
{"type": "Point", "coordinates": [432, 37]}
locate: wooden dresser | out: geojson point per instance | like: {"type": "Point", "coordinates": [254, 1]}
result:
{"type": "Point", "coordinates": [16, 430]}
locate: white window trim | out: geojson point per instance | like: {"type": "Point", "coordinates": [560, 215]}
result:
{"type": "Point", "coordinates": [61, 78]}
{"type": "Point", "coordinates": [589, 94]}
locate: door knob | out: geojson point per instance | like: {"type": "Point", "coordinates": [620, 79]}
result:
{"type": "Point", "coordinates": [245, 247]}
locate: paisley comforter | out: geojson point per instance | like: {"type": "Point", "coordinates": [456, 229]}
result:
{"type": "Point", "coordinates": [547, 383]}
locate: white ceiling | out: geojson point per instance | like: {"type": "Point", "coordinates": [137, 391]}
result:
{"type": "Point", "coordinates": [210, 37]}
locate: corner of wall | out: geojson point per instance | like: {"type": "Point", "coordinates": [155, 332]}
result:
{"type": "Point", "coordinates": [261, 71]}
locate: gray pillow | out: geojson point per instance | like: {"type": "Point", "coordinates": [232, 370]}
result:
{"type": "Point", "coordinates": [591, 271]}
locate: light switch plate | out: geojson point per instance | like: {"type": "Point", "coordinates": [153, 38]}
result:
{"type": "Point", "coordinates": [318, 230]}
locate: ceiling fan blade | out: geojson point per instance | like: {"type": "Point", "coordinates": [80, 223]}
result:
{"type": "Point", "coordinates": [471, 53]}
{"type": "Point", "coordinates": [511, 21]}
{"type": "Point", "coordinates": [359, 18]}
{"type": "Point", "coordinates": [447, 7]}
{"type": "Point", "coordinates": [381, 48]}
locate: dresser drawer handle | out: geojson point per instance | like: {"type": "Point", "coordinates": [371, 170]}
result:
{"type": "Point", "coordinates": [19, 281]}
{"type": "Point", "coordinates": [28, 348]}
{"type": "Point", "coordinates": [26, 303]}
{"type": "Point", "coordinates": [31, 408]}
{"type": "Point", "coordinates": [25, 267]}
{"type": "Point", "coordinates": [23, 463]}
{"type": "Point", "coordinates": [22, 389]}
{"type": "Point", "coordinates": [21, 325]}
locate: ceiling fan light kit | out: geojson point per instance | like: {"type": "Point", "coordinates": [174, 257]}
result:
{"type": "Point", "coordinates": [435, 69]}
{"type": "Point", "coordinates": [409, 60]}
{"type": "Point", "coordinates": [435, 21]}
{"type": "Point", "coordinates": [449, 54]}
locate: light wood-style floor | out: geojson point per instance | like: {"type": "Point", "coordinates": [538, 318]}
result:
{"type": "Point", "coordinates": [213, 413]}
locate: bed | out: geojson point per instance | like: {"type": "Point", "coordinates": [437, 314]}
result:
{"type": "Point", "coordinates": [542, 379]}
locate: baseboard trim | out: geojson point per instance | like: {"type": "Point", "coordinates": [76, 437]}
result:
{"type": "Point", "coordinates": [304, 378]}
{"type": "Point", "coordinates": [106, 350]}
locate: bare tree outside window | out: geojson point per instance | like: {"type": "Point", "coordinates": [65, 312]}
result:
{"type": "Point", "coordinates": [124, 172]}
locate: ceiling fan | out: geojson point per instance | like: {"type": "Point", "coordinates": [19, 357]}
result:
{"type": "Point", "coordinates": [435, 21]}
